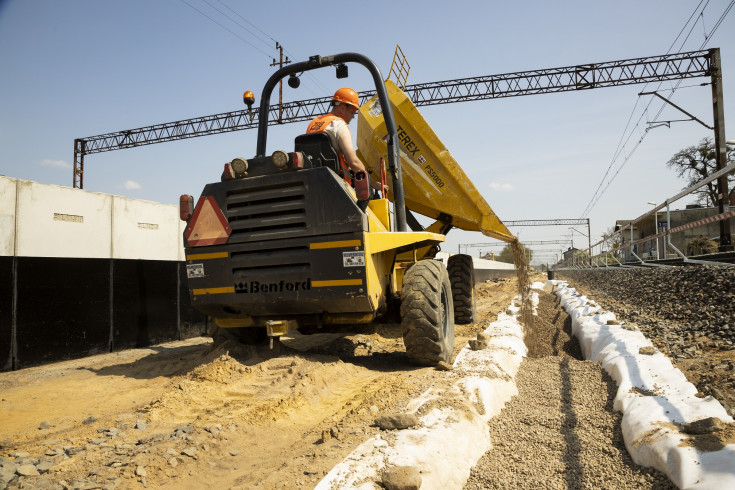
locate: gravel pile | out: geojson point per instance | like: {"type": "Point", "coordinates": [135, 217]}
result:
{"type": "Point", "coordinates": [687, 312]}
{"type": "Point", "coordinates": [19, 464]}
{"type": "Point", "coordinates": [561, 430]}
{"type": "Point", "coordinates": [677, 303]}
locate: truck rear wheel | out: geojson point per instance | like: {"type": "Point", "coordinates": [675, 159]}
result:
{"type": "Point", "coordinates": [427, 314]}
{"type": "Point", "coordinates": [462, 278]}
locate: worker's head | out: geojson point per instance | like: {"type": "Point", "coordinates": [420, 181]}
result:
{"type": "Point", "coordinates": [346, 103]}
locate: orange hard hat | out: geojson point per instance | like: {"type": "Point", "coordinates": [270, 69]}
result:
{"type": "Point", "coordinates": [347, 96]}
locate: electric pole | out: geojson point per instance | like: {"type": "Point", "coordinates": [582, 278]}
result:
{"type": "Point", "coordinates": [280, 64]}
{"type": "Point", "coordinates": [720, 147]}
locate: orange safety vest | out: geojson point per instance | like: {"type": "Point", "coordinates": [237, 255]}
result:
{"type": "Point", "coordinates": [318, 125]}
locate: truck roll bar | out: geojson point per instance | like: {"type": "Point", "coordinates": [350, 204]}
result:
{"type": "Point", "coordinates": [315, 62]}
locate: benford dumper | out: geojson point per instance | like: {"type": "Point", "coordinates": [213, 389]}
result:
{"type": "Point", "coordinates": [282, 243]}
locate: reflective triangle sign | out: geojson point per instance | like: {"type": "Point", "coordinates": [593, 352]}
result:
{"type": "Point", "coordinates": [208, 226]}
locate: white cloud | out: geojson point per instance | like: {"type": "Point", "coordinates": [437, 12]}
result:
{"type": "Point", "coordinates": [55, 163]}
{"type": "Point", "coordinates": [131, 185]}
{"type": "Point", "coordinates": [501, 187]}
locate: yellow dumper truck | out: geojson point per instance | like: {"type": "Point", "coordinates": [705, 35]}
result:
{"type": "Point", "coordinates": [283, 243]}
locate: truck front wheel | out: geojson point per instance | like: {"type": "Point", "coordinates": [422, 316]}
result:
{"type": "Point", "coordinates": [427, 313]}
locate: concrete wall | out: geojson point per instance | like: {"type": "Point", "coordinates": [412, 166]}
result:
{"type": "Point", "coordinates": [7, 216]}
{"type": "Point", "coordinates": [84, 273]}
{"type": "Point", "coordinates": [491, 264]}
{"type": "Point", "coordinates": [155, 226]}
{"type": "Point", "coordinates": [40, 220]}
{"type": "Point", "coordinates": [485, 269]}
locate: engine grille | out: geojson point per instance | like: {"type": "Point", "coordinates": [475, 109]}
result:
{"type": "Point", "coordinates": [279, 260]}
{"type": "Point", "coordinates": [267, 212]}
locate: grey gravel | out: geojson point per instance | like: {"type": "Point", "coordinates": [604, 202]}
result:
{"type": "Point", "coordinates": [560, 431]}
{"type": "Point", "coordinates": [7, 472]}
{"type": "Point", "coordinates": [190, 451]}
{"type": "Point", "coordinates": [674, 302]}
{"type": "Point", "coordinates": [687, 312]}
{"type": "Point", "coordinates": [27, 470]}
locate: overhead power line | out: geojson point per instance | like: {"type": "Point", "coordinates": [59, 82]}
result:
{"type": "Point", "coordinates": [249, 31]}
{"type": "Point", "coordinates": [619, 150]}
{"type": "Point", "coordinates": [267, 43]}
{"type": "Point", "coordinates": [227, 29]}
{"type": "Point", "coordinates": [694, 12]}
{"type": "Point", "coordinates": [623, 142]}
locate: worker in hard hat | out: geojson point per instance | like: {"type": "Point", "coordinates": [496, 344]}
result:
{"type": "Point", "coordinates": [335, 124]}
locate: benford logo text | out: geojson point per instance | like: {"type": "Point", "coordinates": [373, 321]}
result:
{"type": "Point", "coordinates": [248, 287]}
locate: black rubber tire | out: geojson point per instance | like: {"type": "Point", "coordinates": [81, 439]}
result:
{"type": "Point", "coordinates": [462, 278]}
{"type": "Point", "coordinates": [427, 314]}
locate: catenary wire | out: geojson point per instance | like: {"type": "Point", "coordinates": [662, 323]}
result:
{"type": "Point", "coordinates": [253, 25]}
{"type": "Point", "coordinates": [249, 32]}
{"type": "Point", "coordinates": [596, 197]}
{"type": "Point", "coordinates": [227, 29]}
{"type": "Point", "coordinates": [289, 53]}
{"type": "Point", "coordinates": [619, 149]}
{"type": "Point", "coordinates": [314, 80]}
{"type": "Point", "coordinates": [253, 34]}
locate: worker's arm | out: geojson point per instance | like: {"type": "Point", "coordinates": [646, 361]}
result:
{"type": "Point", "coordinates": [345, 144]}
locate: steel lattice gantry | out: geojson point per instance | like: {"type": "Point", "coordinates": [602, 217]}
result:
{"type": "Point", "coordinates": [548, 222]}
{"type": "Point", "coordinates": [503, 244]}
{"type": "Point", "coordinates": [540, 222]}
{"type": "Point", "coordinates": [579, 77]}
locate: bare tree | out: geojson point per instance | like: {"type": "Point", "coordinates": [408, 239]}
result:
{"type": "Point", "coordinates": [610, 240]}
{"type": "Point", "coordinates": [696, 163]}
{"type": "Point", "coordinates": [506, 255]}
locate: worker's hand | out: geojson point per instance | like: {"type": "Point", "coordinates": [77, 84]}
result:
{"type": "Point", "coordinates": [383, 189]}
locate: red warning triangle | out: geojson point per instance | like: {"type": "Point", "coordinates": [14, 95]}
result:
{"type": "Point", "coordinates": [208, 226]}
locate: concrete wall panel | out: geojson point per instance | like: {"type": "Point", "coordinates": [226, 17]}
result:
{"type": "Point", "coordinates": [85, 273]}
{"type": "Point", "coordinates": [491, 264]}
{"type": "Point", "coordinates": [182, 229]}
{"type": "Point", "coordinates": [55, 221]}
{"type": "Point", "coordinates": [144, 230]}
{"type": "Point", "coordinates": [7, 216]}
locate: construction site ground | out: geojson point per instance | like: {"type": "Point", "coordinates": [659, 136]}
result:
{"type": "Point", "coordinates": [205, 414]}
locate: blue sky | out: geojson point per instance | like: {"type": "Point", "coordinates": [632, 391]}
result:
{"type": "Point", "coordinates": [79, 68]}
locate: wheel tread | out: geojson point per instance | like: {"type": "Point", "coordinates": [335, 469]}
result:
{"type": "Point", "coordinates": [461, 276]}
{"type": "Point", "coordinates": [421, 313]}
